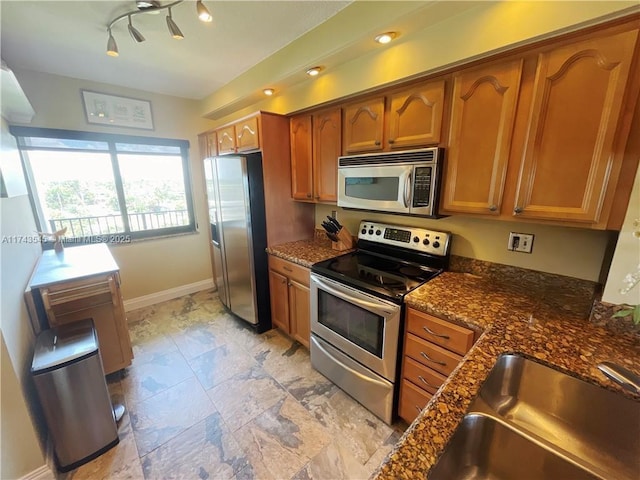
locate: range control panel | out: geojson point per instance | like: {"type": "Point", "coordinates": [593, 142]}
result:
{"type": "Point", "coordinates": [419, 239]}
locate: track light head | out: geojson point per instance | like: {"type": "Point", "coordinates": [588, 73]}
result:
{"type": "Point", "coordinates": [112, 47]}
{"type": "Point", "coordinates": [173, 28]}
{"type": "Point", "coordinates": [135, 34]}
{"type": "Point", "coordinates": [203, 12]}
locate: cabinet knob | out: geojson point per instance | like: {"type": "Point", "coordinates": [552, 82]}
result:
{"type": "Point", "coordinates": [309, 195]}
{"type": "Point", "coordinates": [391, 140]}
{"type": "Point", "coordinates": [517, 210]}
{"type": "Point", "coordinates": [377, 142]}
{"type": "Point", "coordinates": [317, 197]}
{"type": "Point", "coordinates": [493, 208]}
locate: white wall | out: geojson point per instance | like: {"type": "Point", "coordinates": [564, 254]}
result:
{"type": "Point", "coordinates": [21, 450]}
{"type": "Point", "coordinates": [147, 266]}
{"type": "Point", "coordinates": [626, 258]}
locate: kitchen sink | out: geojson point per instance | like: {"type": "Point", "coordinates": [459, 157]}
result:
{"type": "Point", "coordinates": [559, 421]}
{"type": "Point", "coordinates": [483, 448]}
{"type": "Point", "coordinates": [598, 428]}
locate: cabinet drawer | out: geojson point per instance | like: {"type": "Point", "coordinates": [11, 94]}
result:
{"type": "Point", "coordinates": [424, 377]}
{"type": "Point", "coordinates": [431, 355]}
{"type": "Point", "coordinates": [290, 270]}
{"type": "Point", "coordinates": [446, 334]}
{"type": "Point", "coordinates": [412, 401]}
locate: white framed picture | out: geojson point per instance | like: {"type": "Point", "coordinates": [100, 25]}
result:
{"type": "Point", "coordinates": [117, 111]}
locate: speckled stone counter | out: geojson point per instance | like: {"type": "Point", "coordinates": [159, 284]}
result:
{"type": "Point", "coordinates": [305, 252]}
{"type": "Point", "coordinates": [546, 321]}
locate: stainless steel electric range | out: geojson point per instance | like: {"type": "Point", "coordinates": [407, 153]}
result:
{"type": "Point", "coordinates": [357, 308]}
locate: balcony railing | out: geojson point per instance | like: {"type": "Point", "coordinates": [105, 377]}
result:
{"type": "Point", "coordinates": [105, 224]}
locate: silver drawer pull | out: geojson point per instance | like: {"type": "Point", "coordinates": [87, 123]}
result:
{"type": "Point", "coordinates": [431, 332]}
{"type": "Point", "coordinates": [426, 357]}
{"type": "Point", "coordinates": [425, 382]}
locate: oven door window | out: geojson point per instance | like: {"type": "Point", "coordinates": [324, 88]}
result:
{"type": "Point", "coordinates": [357, 325]}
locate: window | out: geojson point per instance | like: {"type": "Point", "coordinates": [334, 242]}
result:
{"type": "Point", "coordinates": [104, 187]}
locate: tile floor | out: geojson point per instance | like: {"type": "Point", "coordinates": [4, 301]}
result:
{"type": "Point", "coordinates": [207, 398]}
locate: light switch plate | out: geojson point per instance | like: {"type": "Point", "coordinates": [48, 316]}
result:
{"type": "Point", "coordinates": [520, 242]}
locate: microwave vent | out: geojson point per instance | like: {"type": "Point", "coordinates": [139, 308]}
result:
{"type": "Point", "coordinates": [409, 156]}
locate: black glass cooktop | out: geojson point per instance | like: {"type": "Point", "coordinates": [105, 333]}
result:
{"type": "Point", "coordinates": [382, 276]}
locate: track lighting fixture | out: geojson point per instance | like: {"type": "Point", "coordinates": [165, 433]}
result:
{"type": "Point", "coordinates": [173, 28]}
{"type": "Point", "coordinates": [153, 6]}
{"type": "Point", "coordinates": [203, 12]}
{"type": "Point", "coordinates": [112, 47]}
{"type": "Point", "coordinates": [135, 34]}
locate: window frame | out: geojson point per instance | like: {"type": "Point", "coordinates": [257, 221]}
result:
{"type": "Point", "coordinates": [21, 133]}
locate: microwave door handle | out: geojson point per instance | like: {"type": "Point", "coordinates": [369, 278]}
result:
{"type": "Point", "coordinates": [407, 190]}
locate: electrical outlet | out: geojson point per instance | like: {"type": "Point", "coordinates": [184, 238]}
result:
{"type": "Point", "coordinates": [520, 242]}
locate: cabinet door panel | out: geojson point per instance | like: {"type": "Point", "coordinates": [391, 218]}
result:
{"type": "Point", "coordinates": [299, 308]}
{"type": "Point", "coordinates": [577, 99]}
{"type": "Point", "coordinates": [327, 145]}
{"type": "Point", "coordinates": [301, 157]}
{"type": "Point", "coordinates": [482, 118]}
{"type": "Point", "coordinates": [415, 117]}
{"type": "Point", "coordinates": [247, 135]}
{"type": "Point", "coordinates": [363, 126]}
{"type": "Point", "coordinates": [226, 140]}
{"type": "Point", "coordinates": [278, 289]}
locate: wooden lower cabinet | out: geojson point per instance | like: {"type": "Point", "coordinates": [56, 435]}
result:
{"type": "Point", "coordinates": [97, 297]}
{"type": "Point", "coordinates": [289, 290]}
{"type": "Point", "coordinates": [425, 363]}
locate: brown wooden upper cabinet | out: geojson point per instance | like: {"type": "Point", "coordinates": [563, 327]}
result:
{"type": "Point", "coordinates": [226, 140]}
{"type": "Point", "coordinates": [542, 136]}
{"type": "Point", "coordinates": [247, 135]}
{"type": "Point", "coordinates": [242, 136]}
{"type": "Point", "coordinates": [404, 119]}
{"type": "Point", "coordinates": [208, 144]}
{"type": "Point", "coordinates": [482, 118]}
{"type": "Point", "coordinates": [363, 126]}
{"type": "Point", "coordinates": [576, 106]}
{"type": "Point", "coordinates": [315, 148]}
{"type": "Point", "coordinates": [415, 116]}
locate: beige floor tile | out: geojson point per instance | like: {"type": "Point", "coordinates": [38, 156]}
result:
{"type": "Point", "coordinates": [220, 364]}
{"type": "Point", "coordinates": [152, 374]}
{"type": "Point", "coordinates": [207, 450]}
{"type": "Point", "coordinates": [160, 418]}
{"type": "Point", "coordinates": [355, 425]}
{"type": "Point", "coordinates": [282, 439]}
{"type": "Point", "coordinates": [336, 462]}
{"type": "Point", "coordinates": [246, 395]}
{"type": "Point", "coordinates": [198, 339]}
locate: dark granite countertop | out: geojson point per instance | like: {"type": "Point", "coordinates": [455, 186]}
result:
{"type": "Point", "coordinates": [545, 321]}
{"type": "Point", "coordinates": [306, 252]}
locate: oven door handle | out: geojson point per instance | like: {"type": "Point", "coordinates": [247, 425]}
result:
{"type": "Point", "coordinates": [361, 303]}
{"type": "Point", "coordinates": [347, 367]}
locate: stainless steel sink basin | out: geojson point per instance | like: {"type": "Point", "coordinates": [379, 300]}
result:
{"type": "Point", "coordinates": [586, 424]}
{"type": "Point", "coordinates": [483, 448]}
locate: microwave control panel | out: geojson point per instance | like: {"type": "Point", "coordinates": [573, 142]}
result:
{"type": "Point", "coordinates": [414, 238]}
{"type": "Point", "coordinates": [422, 187]}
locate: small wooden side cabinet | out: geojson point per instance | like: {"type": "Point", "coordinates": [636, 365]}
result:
{"type": "Point", "coordinates": [79, 283]}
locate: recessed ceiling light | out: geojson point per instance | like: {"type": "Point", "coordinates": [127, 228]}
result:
{"type": "Point", "coordinates": [313, 71]}
{"type": "Point", "coordinates": [268, 91]}
{"type": "Point", "coordinates": [385, 37]}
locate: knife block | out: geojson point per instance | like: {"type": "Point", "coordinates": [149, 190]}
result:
{"type": "Point", "coordinates": [345, 240]}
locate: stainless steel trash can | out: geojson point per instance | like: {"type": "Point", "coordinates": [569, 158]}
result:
{"type": "Point", "coordinates": [69, 378]}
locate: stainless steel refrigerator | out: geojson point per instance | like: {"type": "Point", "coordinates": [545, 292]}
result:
{"type": "Point", "coordinates": [235, 193]}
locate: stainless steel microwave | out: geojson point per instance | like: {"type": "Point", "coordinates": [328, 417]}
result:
{"type": "Point", "coordinates": [400, 182]}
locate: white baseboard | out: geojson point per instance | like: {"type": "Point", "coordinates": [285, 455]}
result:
{"type": "Point", "coordinates": [164, 295]}
{"type": "Point", "coordinates": [42, 473]}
